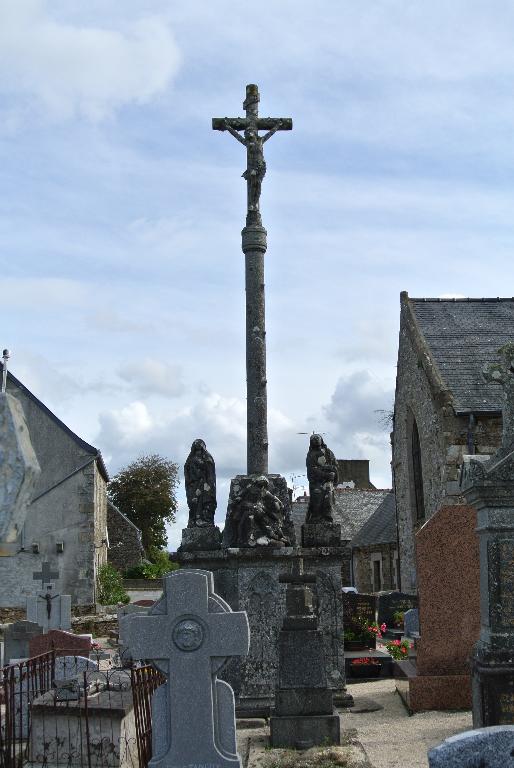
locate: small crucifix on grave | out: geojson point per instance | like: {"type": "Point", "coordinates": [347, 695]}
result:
{"type": "Point", "coordinates": [48, 597]}
{"type": "Point", "coordinates": [188, 635]}
{"type": "Point", "coordinates": [255, 163]}
{"type": "Point", "coordinates": [503, 373]}
{"type": "Point", "coordinates": [45, 575]}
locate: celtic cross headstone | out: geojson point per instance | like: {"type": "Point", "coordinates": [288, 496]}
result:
{"type": "Point", "coordinates": [189, 635]}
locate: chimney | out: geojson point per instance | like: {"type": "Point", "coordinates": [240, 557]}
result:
{"type": "Point", "coordinates": [355, 471]}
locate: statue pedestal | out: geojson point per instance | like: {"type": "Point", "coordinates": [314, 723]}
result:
{"type": "Point", "coordinates": [322, 534]}
{"type": "Point", "coordinates": [201, 539]}
{"type": "Point", "coordinates": [248, 579]}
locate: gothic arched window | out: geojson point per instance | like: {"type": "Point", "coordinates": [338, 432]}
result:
{"type": "Point", "coordinates": [417, 475]}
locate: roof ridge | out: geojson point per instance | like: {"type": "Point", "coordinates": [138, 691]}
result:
{"type": "Point", "coordinates": [462, 299]}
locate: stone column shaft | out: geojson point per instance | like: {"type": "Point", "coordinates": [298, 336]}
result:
{"type": "Point", "coordinates": [254, 248]}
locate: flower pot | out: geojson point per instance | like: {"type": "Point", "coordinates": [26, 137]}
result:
{"type": "Point", "coordinates": [365, 670]}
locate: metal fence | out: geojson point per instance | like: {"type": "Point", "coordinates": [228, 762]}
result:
{"type": "Point", "coordinates": [97, 718]}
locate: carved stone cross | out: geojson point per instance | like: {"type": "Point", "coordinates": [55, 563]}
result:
{"type": "Point", "coordinates": [45, 575]}
{"type": "Point", "coordinates": [503, 373]}
{"type": "Point", "coordinates": [254, 247]}
{"type": "Point", "coordinates": [188, 635]}
{"type": "Point", "coordinates": [255, 163]}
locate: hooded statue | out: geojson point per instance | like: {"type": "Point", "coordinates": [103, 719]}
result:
{"type": "Point", "coordinates": [322, 476]}
{"type": "Point", "coordinates": [200, 481]}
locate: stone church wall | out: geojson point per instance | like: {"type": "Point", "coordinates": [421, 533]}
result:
{"type": "Point", "coordinates": [69, 496]}
{"type": "Point", "coordinates": [443, 436]}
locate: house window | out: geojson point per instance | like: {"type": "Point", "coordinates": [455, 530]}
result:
{"type": "Point", "coordinates": [417, 475]}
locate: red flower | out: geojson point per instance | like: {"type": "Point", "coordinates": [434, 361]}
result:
{"type": "Point", "coordinates": [383, 627]}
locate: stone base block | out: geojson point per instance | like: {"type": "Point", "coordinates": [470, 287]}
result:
{"type": "Point", "coordinates": [201, 539]}
{"type": "Point", "coordinates": [304, 732]}
{"type": "Point", "coordinates": [493, 689]}
{"type": "Point", "coordinates": [303, 701]}
{"type": "Point", "coordinates": [425, 692]}
{"type": "Point", "coordinates": [322, 534]}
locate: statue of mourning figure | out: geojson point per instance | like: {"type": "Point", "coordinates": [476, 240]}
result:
{"type": "Point", "coordinates": [200, 482]}
{"type": "Point", "coordinates": [322, 474]}
{"type": "Point", "coordinates": [255, 516]}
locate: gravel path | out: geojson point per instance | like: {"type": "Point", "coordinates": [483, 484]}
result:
{"type": "Point", "coordinates": [390, 737]}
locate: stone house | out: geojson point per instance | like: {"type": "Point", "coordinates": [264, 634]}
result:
{"type": "Point", "coordinates": [66, 523]}
{"type": "Point", "coordinates": [125, 541]}
{"type": "Point", "coordinates": [375, 547]}
{"type": "Point", "coordinates": [356, 501]}
{"type": "Point", "coordinates": [443, 407]}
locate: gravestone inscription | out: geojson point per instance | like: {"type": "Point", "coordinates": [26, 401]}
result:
{"type": "Point", "coordinates": [358, 606]}
{"type": "Point", "coordinates": [390, 603]}
{"type": "Point", "coordinates": [189, 635]}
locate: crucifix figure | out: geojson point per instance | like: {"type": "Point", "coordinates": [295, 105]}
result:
{"type": "Point", "coordinates": [45, 574]}
{"type": "Point", "coordinates": [188, 636]}
{"type": "Point", "coordinates": [254, 247]}
{"type": "Point", "coordinates": [48, 597]}
{"type": "Point", "coordinates": [255, 163]}
{"type": "Point", "coordinates": [503, 373]}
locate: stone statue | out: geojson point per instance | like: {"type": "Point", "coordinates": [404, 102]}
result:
{"type": "Point", "coordinates": [256, 516]}
{"type": "Point", "coordinates": [200, 481]}
{"type": "Point", "coordinates": [322, 475]}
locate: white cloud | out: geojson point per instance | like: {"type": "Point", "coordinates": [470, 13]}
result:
{"type": "Point", "coordinates": [45, 293]}
{"type": "Point", "coordinates": [150, 376]}
{"type": "Point", "coordinates": [127, 427]}
{"type": "Point", "coordinates": [82, 71]}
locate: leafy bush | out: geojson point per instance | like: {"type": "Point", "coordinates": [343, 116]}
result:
{"type": "Point", "coordinates": [110, 586]}
{"type": "Point", "coordinates": [152, 570]}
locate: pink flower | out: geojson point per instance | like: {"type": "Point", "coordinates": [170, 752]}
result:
{"type": "Point", "coordinates": [383, 627]}
{"type": "Point", "coordinates": [403, 649]}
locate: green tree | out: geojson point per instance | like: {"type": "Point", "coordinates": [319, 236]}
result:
{"type": "Point", "coordinates": [145, 492]}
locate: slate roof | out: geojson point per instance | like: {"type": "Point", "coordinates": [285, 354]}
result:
{"type": "Point", "coordinates": [463, 335]}
{"type": "Point", "coordinates": [353, 508]}
{"type": "Point", "coordinates": [380, 528]}
{"type": "Point", "coordinates": [90, 449]}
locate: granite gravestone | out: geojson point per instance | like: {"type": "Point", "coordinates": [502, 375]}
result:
{"type": "Point", "coordinates": [411, 623]}
{"type": "Point", "coordinates": [304, 714]}
{"type": "Point", "coordinates": [50, 611]}
{"type": "Point", "coordinates": [59, 641]}
{"type": "Point", "coordinates": [485, 748]}
{"type": "Point", "coordinates": [357, 607]}
{"type": "Point", "coordinates": [17, 638]}
{"type": "Point", "coordinates": [488, 484]}
{"type": "Point", "coordinates": [390, 603]}
{"type": "Point", "coordinates": [67, 667]}
{"type": "Point", "coordinates": [189, 635]}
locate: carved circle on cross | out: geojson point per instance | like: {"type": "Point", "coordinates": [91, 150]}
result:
{"type": "Point", "coordinates": [188, 634]}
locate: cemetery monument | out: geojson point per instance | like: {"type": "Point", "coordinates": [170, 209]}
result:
{"type": "Point", "coordinates": [189, 635]}
{"type": "Point", "coordinates": [259, 538]}
{"type": "Point", "coordinates": [488, 484]}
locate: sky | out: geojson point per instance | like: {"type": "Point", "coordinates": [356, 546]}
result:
{"type": "Point", "coordinates": [122, 287]}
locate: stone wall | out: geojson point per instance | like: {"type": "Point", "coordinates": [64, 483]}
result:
{"type": "Point", "coordinates": [125, 540]}
{"type": "Point", "coordinates": [69, 497]}
{"type": "Point", "coordinates": [362, 567]}
{"type": "Point", "coordinates": [421, 396]}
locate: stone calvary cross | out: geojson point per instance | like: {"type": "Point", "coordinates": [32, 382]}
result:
{"type": "Point", "coordinates": [254, 247]}
{"type": "Point", "coordinates": [188, 636]}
